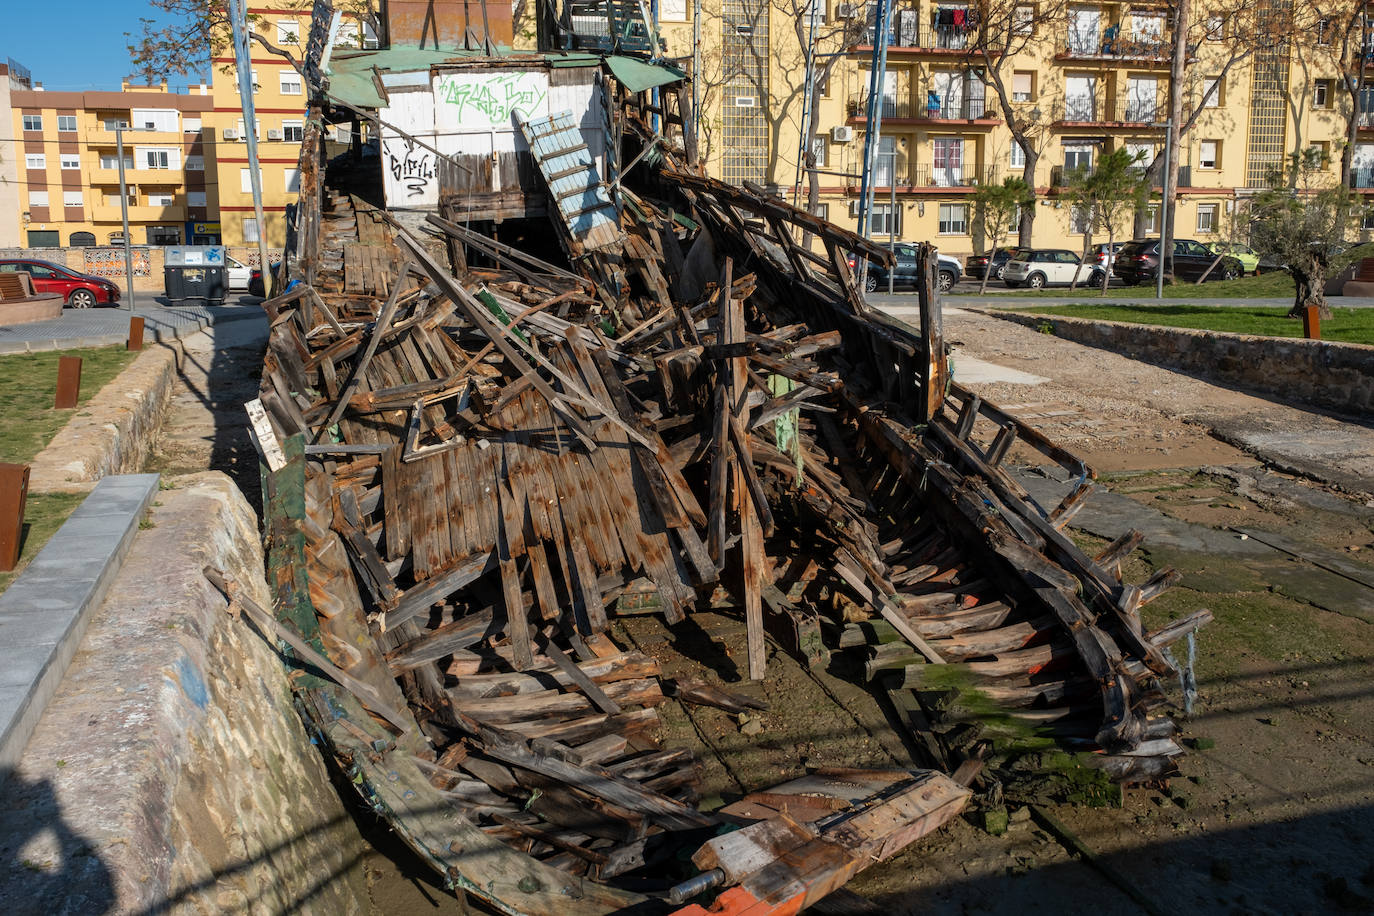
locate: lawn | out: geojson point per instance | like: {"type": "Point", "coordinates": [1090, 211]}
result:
{"type": "Point", "coordinates": [1345, 325]}
{"type": "Point", "coordinates": [28, 384]}
{"type": "Point", "coordinates": [1270, 285]}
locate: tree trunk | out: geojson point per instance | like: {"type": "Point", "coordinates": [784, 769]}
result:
{"type": "Point", "coordinates": [1177, 69]}
{"type": "Point", "coordinates": [1309, 290]}
{"type": "Point", "coordinates": [1026, 224]}
{"type": "Point", "coordinates": [1111, 257]}
{"type": "Point", "coordinates": [1139, 226]}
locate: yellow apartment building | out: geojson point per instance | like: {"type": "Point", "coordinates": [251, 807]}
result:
{"type": "Point", "coordinates": [280, 102]}
{"type": "Point", "coordinates": [67, 166]}
{"type": "Point", "coordinates": [1093, 79]}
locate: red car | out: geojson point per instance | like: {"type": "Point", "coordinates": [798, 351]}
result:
{"type": "Point", "coordinates": [80, 291]}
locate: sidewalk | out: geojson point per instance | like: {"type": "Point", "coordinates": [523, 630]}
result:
{"type": "Point", "coordinates": [100, 327]}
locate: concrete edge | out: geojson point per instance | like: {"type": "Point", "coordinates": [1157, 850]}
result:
{"type": "Point", "coordinates": [1341, 376]}
{"type": "Point", "coordinates": [150, 335]}
{"type": "Point", "coordinates": [44, 612]}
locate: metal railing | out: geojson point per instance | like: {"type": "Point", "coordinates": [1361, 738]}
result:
{"type": "Point", "coordinates": [1099, 109]}
{"type": "Point", "coordinates": [957, 110]}
{"type": "Point", "coordinates": [924, 36]}
{"type": "Point", "coordinates": [1362, 177]}
{"type": "Point", "coordinates": [1123, 47]}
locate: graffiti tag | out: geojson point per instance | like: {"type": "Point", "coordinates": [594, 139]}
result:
{"type": "Point", "coordinates": [411, 165]}
{"type": "Point", "coordinates": [495, 97]}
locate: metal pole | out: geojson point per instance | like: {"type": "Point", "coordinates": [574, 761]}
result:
{"type": "Point", "coordinates": [250, 132]}
{"type": "Point", "coordinates": [124, 215]}
{"type": "Point", "coordinates": [808, 99]}
{"type": "Point", "coordinates": [1164, 208]}
{"type": "Point", "coordinates": [696, 72]}
{"type": "Point", "coordinates": [892, 217]}
{"type": "Point", "coordinates": [873, 129]}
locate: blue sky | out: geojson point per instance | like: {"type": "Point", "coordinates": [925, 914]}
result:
{"type": "Point", "coordinates": [73, 45]}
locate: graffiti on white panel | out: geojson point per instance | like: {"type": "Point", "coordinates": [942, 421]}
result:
{"type": "Point", "coordinates": [412, 167]}
{"type": "Point", "coordinates": [489, 99]}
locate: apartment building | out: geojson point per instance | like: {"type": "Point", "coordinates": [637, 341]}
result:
{"type": "Point", "coordinates": [1089, 81]}
{"type": "Point", "coordinates": [12, 76]}
{"type": "Point", "coordinates": [65, 153]}
{"type": "Point", "coordinates": [280, 103]}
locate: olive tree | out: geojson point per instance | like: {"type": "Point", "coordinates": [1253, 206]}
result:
{"type": "Point", "coordinates": [995, 206]}
{"type": "Point", "coordinates": [1303, 226]}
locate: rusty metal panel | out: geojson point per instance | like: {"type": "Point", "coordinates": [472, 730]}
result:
{"type": "Point", "coordinates": [444, 24]}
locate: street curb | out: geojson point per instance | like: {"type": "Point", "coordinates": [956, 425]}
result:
{"type": "Point", "coordinates": [44, 612]}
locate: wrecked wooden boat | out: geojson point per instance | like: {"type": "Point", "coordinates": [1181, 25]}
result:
{"type": "Point", "coordinates": [478, 452]}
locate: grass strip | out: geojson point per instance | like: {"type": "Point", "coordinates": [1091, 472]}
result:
{"type": "Point", "coordinates": [28, 385]}
{"type": "Point", "coordinates": [1346, 325]}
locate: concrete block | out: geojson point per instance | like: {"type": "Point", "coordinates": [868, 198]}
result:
{"type": "Point", "coordinates": [44, 613]}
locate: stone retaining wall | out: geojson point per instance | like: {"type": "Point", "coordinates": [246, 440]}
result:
{"type": "Point", "coordinates": [115, 431]}
{"type": "Point", "coordinates": [1336, 376]}
{"type": "Point", "coordinates": [170, 772]}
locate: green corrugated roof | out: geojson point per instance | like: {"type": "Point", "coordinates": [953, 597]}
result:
{"type": "Point", "coordinates": [350, 73]}
{"type": "Point", "coordinates": [637, 75]}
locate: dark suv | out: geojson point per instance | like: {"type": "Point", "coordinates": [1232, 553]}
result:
{"type": "Point", "coordinates": [977, 264]}
{"type": "Point", "coordinates": [1138, 262]}
{"type": "Point", "coordinates": [904, 271]}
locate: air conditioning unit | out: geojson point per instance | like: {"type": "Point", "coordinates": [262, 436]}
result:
{"type": "Point", "coordinates": [274, 134]}
{"type": "Point", "coordinates": [230, 133]}
{"type": "Point", "coordinates": [854, 209]}
{"type": "Point", "coordinates": [842, 134]}
{"type": "Point", "coordinates": [847, 11]}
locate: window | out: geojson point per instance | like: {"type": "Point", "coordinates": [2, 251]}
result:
{"type": "Point", "coordinates": [112, 198]}
{"type": "Point", "coordinates": [948, 162]}
{"type": "Point", "coordinates": [1206, 218]}
{"type": "Point", "coordinates": [155, 159]}
{"type": "Point", "coordinates": [245, 181]}
{"type": "Point", "coordinates": [1323, 31]}
{"type": "Point", "coordinates": [1207, 154]}
{"type": "Point", "coordinates": [71, 198]}
{"type": "Point", "coordinates": [1078, 156]}
{"type": "Point", "coordinates": [887, 162]}
{"type": "Point", "coordinates": [292, 131]}
{"type": "Point", "coordinates": [257, 128]}
{"type": "Point", "coordinates": [1014, 221]}
{"type": "Point", "coordinates": [115, 123]}
{"type": "Point", "coordinates": [190, 125]}
{"type": "Point", "coordinates": [1320, 152]}
{"type": "Point", "coordinates": [66, 122]}
{"type": "Point", "coordinates": [881, 221]}
{"type": "Point", "coordinates": [195, 198]}
{"type": "Point", "coordinates": [1023, 19]}
{"type": "Point", "coordinates": [1216, 27]}
{"type": "Point", "coordinates": [1368, 221]}
{"type": "Point", "coordinates": [252, 75]}
{"type": "Point", "coordinates": [1080, 98]}
{"type": "Point", "coordinates": [38, 198]}
{"type": "Point", "coordinates": [1018, 154]}
{"type": "Point", "coordinates": [35, 161]}
{"type": "Point", "coordinates": [250, 229]}
{"type": "Point", "coordinates": [111, 161]}
{"type": "Point", "coordinates": [1321, 94]}
{"type": "Point", "coordinates": [160, 119]}
{"type": "Point", "coordinates": [164, 235]}
{"type": "Point", "coordinates": [33, 122]}
{"type": "Point", "coordinates": [292, 179]}
{"type": "Point", "coordinates": [1212, 88]}
{"type": "Point", "coordinates": [1142, 99]}
{"type": "Point", "coordinates": [1152, 221]}
{"type": "Point", "coordinates": [823, 211]}
{"type": "Point", "coordinates": [347, 35]}
{"type": "Point", "coordinates": [288, 32]}
{"type": "Point", "coordinates": [676, 11]}
{"type": "Point", "coordinates": [953, 219]}
{"type": "Point", "coordinates": [1022, 86]}
{"type": "Point", "coordinates": [820, 150]}
{"type": "Point", "coordinates": [195, 163]}
{"type": "Point", "coordinates": [290, 82]}
{"type": "Point", "coordinates": [1142, 154]}
{"type": "Point", "coordinates": [70, 160]}
{"type": "Point", "coordinates": [1080, 220]}
{"type": "Point", "coordinates": [160, 198]}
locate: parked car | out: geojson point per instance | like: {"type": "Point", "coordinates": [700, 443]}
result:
{"type": "Point", "coordinates": [1247, 256]}
{"type": "Point", "coordinates": [904, 271]}
{"type": "Point", "coordinates": [1138, 261]}
{"type": "Point", "coordinates": [1104, 255]}
{"type": "Point", "coordinates": [78, 290]}
{"type": "Point", "coordinates": [256, 286]}
{"type": "Point", "coordinates": [1041, 267]}
{"type": "Point", "coordinates": [978, 264]}
{"type": "Point", "coordinates": [237, 273]}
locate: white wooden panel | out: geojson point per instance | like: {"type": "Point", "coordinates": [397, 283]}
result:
{"type": "Point", "coordinates": [467, 103]}
{"type": "Point", "coordinates": [410, 173]}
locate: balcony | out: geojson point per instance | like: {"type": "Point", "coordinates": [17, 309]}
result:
{"type": "Point", "coordinates": [1109, 111]}
{"type": "Point", "coordinates": [925, 176]}
{"type": "Point", "coordinates": [160, 177]}
{"type": "Point", "coordinates": [1362, 178]}
{"type": "Point", "coordinates": [99, 136]}
{"type": "Point", "coordinates": [1140, 49]}
{"type": "Point", "coordinates": [110, 213]}
{"type": "Point", "coordinates": [932, 109]}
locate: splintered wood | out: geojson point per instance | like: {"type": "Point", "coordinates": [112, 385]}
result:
{"type": "Point", "coordinates": [485, 457]}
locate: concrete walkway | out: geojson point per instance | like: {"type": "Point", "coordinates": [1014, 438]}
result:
{"type": "Point", "coordinates": [106, 326]}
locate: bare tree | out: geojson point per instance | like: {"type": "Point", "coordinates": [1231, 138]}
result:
{"type": "Point", "coordinates": [1005, 29]}
{"type": "Point", "coordinates": [995, 205]}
